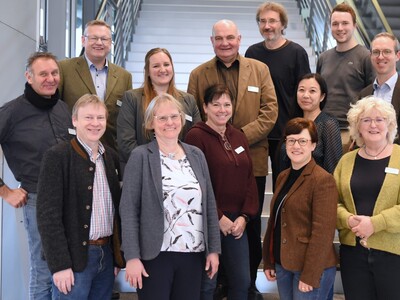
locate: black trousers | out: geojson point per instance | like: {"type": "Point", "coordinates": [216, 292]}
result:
{"type": "Point", "coordinates": [253, 230]}
{"type": "Point", "coordinates": [173, 276]}
{"type": "Point", "coordinates": [369, 274]}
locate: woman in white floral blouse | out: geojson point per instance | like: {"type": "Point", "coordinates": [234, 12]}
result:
{"type": "Point", "coordinates": [170, 231]}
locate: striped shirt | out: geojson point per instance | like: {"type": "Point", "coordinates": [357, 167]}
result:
{"type": "Point", "coordinates": [101, 222]}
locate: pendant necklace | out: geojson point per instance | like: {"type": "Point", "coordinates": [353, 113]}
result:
{"type": "Point", "coordinates": [377, 155]}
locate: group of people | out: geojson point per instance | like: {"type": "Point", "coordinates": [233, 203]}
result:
{"type": "Point", "coordinates": [170, 184]}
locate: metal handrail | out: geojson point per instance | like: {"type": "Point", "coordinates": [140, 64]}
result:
{"type": "Point", "coordinates": [121, 15]}
{"type": "Point", "coordinates": [382, 16]}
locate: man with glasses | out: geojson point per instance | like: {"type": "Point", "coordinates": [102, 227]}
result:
{"type": "Point", "coordinates": [287, 62]}
{"type": "Point", "coordinates": [254, 111]}
{"type": "Point", "coordinates": [346, 68]}
{"type": "Point", "coordinates": [93, 73]}
{"type": "Point", "coordinates": [384, 56]}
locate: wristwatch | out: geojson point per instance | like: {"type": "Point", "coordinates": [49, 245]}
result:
{"type": "Point", "coordinates": [1, 182]}
{"type": "Point", "coordinates": [245, 217]}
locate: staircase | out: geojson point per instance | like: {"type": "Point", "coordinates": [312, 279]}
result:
{"type": "Point", "coordinates": [184, 28]}
{"type": "Point", "coordinates": [391, 10]}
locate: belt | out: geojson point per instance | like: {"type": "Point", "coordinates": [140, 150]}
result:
{"type": "Point", "coordinates": [100, 242]}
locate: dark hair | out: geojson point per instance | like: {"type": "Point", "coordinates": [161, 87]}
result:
{"type": "Point", "coordinates": [297, 125]}
{"type": "Point", "coordinates": [297, 111]}
{"type": "Point", "coordinates": [215, 91]}
{"type": "Point", "coordinates": [37, 55]}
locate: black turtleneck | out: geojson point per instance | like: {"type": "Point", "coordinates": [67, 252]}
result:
{"type": "Point", "coordinates": [38, 101]}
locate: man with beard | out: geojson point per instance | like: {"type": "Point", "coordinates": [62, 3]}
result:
{"type": "Point", "coordinates": [287, 62]}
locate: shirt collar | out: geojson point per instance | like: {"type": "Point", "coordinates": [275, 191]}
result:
{"type": "Point", "coordinates": [91, 65]}
{"type": "Point", "coordinates": [89, 150]}
{"type": "Point", "coordinates": [391, 82]}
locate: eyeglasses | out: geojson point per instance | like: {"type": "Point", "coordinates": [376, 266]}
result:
{"type": "Point", "coordinates": [94, 39]}
{"type": "Point", "coordinates": [385, 52]}
{"type": "Point", "coordinates": [264, 22]}
{"type": "Point", "coordinates": [301, 141]}
{"type": "Point", "coordinates": [164, 119]}
{"type": "Point", "coordinates": [368, 121]}
{"type": "Point", "coordinates": [227, 145]}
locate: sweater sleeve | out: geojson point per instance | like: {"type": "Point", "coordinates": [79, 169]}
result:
{"type": "Point", "coordinates": [50, 199]}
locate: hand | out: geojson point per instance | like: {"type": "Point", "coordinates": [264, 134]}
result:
{"type": "Point", "coordinates": [225, 225]}
{"type": "Point", "coordinates": [304, 287]}
{"type": "Point", "coordinates": [134, 272]}
{"type": "Point", "coordinates": [212, 263]}
{"type": "Point", "coordinates": [352, 221]}
{"type": "Point", "coordinates": [15, 197]}
{"type": "Point", "coordinates": [270, 274]}
{"type": "Point", "coordinates": [239, 227]}
{"type": "Point", "coordinates": [365, 228]}
{"type": "Point", "coordinates": [64, 280]}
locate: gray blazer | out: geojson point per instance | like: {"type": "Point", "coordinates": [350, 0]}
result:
{"type": "Point", "coordinates": [141, 206]}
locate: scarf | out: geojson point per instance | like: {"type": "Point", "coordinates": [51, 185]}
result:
{"type": "Point", "coordinates": [38, 101]}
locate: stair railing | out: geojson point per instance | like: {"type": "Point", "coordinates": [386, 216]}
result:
{"type": "Point", "coordinates": [121, 15]}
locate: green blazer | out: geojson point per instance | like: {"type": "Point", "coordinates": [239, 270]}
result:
{"type": "Point", "coordinates": [386, 215]}
{"type": "Point", "coordinates": [76, 81]}
{"type": "Point", "coordinates": [256, 106]}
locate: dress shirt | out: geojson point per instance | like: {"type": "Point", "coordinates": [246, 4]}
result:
{"type": "Point", "coordinates": [385, 90]}
{"type": "Point", "coordinates": [99, 78]}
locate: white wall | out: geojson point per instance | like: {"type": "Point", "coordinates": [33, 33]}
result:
{"type": "Point", "coordinates": [18, 31]}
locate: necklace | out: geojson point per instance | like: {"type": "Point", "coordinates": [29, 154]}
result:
{"type": "Point", "coordinates": [377, 155]}
{"type": "Point", "coordinates": [171, 155]}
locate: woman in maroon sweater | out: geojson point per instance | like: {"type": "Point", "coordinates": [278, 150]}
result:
{"type": "Point", "coordinates": [227, 154]}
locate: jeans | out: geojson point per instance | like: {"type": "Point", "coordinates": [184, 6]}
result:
{"type": "Point", "coordinates": [234, 260]}
{"type": "Point", "coordinates": [288, 284]}
{"type": "Point", "coordinates": [96, 281]}
{"type": "Point", "coordinates": [39, 274]}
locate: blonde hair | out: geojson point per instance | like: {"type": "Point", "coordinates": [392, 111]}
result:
{"type": "Point", "coordinates": [154, 105]}
{"type": "Point", "coordinates": [364, 106]}
{"type": "Point", "coordinates": [85, 100]}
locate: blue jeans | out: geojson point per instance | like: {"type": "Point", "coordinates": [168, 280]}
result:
{"type": "Point", "coordinates": [288, 284]}
{"type": "Point", "coordinates": [234, 260]}
{"type": "Point", "coordinates": [96, 280]}
{"type": "Point", "coordinates": [39, 274]}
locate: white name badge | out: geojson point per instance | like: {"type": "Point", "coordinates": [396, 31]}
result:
{"type": "Point", "coordinates": [392, 171]}
{"type": "Point", "coordinates": [239, 149]}
{"type": "Point", "coordinates": [72, 131]}
{"type": "Point", "coordinates": [253, 89]}
{"type": "Point", "coordinates": [119, 103]}
{"type": "Point", "coordinates": [188, 118]}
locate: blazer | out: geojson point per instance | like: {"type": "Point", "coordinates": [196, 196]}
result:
{"type": "Point", "coordinates": [141, 207]}
{"type": "Point", "coordinates": [64, 202]}
{"type": "Point", "coordinates": [308, 218]}
{"type": "Point", "coordinates": [130, 121]}
{"type": "Point", "coordinates": [256, 105]}
{"type": "Point", "coordinates": [369, 90]}
{"type": "Point", "coordinates": [386, 215]}
{"type": "Point", "coordinates": [76, 80]}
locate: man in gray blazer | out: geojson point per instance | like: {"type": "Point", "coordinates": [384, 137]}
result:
{"type": "Point", "coordinates": [92, 73]}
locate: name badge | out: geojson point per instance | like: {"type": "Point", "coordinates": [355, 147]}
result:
{"type": "Point", "coordinates": [253, 89]}
{"type": "Point", "coordinates": [188, 118]}
{"type": "Point", "coordinates": [392, 171]}
{"type": "Point", "coordinates": [239, 149]}
{"type": "Point", "coordinates": [72, 131]}
{"type": "Point", "coordinates": [119, 103]}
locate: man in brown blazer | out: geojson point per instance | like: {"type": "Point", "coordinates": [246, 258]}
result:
{"type": "Point", "coordinates": [92, 73]}
{"type": "Point", "coordinates": [255, 111]}
{"type": "Point", "coordinates": [384, 56]}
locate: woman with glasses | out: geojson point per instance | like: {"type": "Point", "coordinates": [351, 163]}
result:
{"type": "Point", "coordinates": [311, 97]}
{"type": "Point", "coordinates": [298, 248]}
{"type": "Point", "coordinates": [159, 77]}
{"type": "Point", "coordinates": [227, 153]}
{"type": "Point", "coordinates": [169, 219]}
{"type": "Point", "coordinates": [368, 221]}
